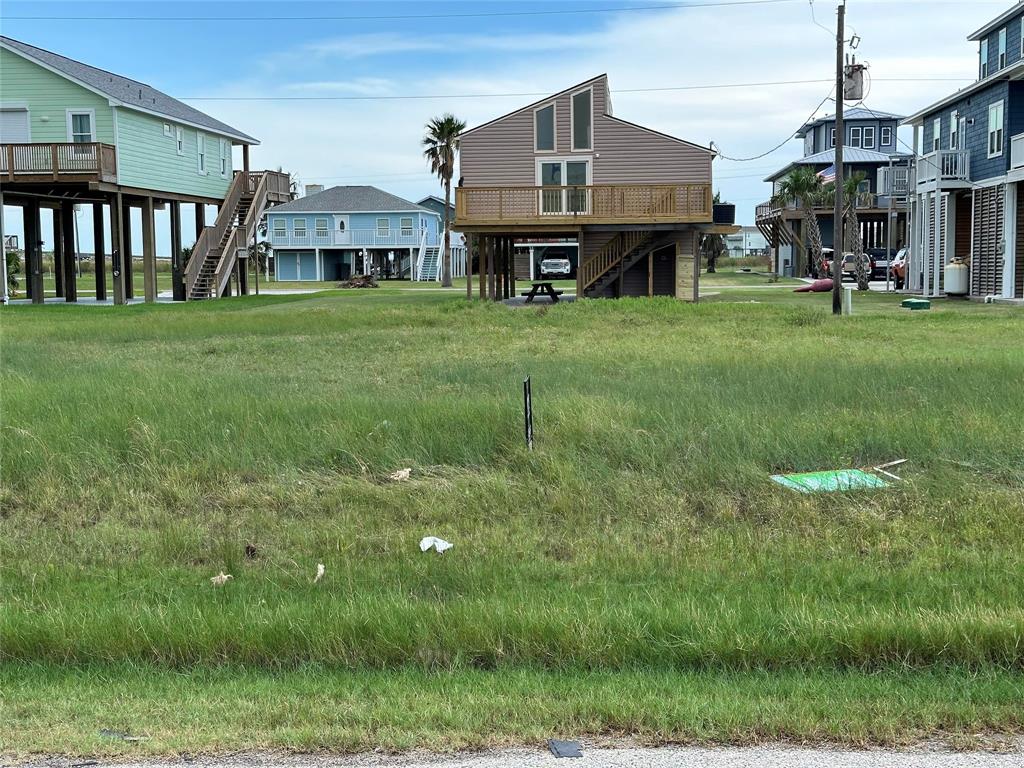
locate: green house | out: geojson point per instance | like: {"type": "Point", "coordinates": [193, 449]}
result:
{"type": "Point", "coordinates": [72, 134]}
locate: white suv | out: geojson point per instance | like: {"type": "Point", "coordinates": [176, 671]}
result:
{"type": "Point", "coordinates": [552, 267]}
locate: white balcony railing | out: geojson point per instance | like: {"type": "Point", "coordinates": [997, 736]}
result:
{"type": "Point", "coordinates": [1017, 151]}
{"type": "Point", "coordinates": [356, 238]}
{"type": "Point", "coordinates": [897, 181]}
{"type": "Point", "coordinates": [944, 165]}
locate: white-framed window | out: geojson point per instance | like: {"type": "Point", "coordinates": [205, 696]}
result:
{"type": "Point", "coordinates": [885, 138]}
{"type": "Point", "coordinates": [179, 139]}
{"type": "Point", "coordinates": [225, 157]}
{"type": "Point", "coordinates": [200, 152]}
{"type": "Point", "coordinates": [995, 129]}
{"type": "Point", "coordinates": [869, 137]}
{"type": "Point", "coordinates": [81, 126]}
{"type": "Point", "coordinates": [406, 226]}
{"type": "Point", "coordinates": [954, 133]}
{"type": "Point", "coordinates": [320, 227]}
{"type": "Point", "coordinates": [832, 138]}
{"type": "Point", "coordinates": [1022, 38]}
{"type": "Point", "coordinates": [855, 140]}
{"type": "Point", "coordinates": [167, 130]}
{"type": "Point", "coordinates": [563, 174]}
{"type": "Point", "coordinates": [983, 59]}
{"type": "Point", "coordinates": [581, 120]}
{"type": "Point", "coordinates": [383, 227]}
{"type": "Point", "coordinates": [1002, 48]}
{"type": "Point", "coordinates": [936, 134]}
{"type": "Point", "coordinates": [280, 228]}
{"type": "Point", "coordinates": [299, 227]}
{"type": "Point", "coordinates": [544, 128]}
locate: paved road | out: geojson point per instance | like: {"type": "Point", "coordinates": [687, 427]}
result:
{"type": "Point", "coordinates": [664, 757]}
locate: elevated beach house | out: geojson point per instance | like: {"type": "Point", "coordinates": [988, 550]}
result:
{"type": "Point", "coordinates": [634, 199]}
{"type": "Point", "coordinates": [72, 134]}
{"type": "Point", "coordinates": [870, 149]}
{"type": "Point", "coordinates": [355, 230]}
{"type": "Point", "coordinates": [970, 171]}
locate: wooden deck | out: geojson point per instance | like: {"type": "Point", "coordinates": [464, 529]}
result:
{"type": "Point", "coordinates": [577, 205]}
{"type": "Point", "coordinates": [73, 162]}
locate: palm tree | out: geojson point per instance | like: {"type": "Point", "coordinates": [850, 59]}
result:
{"type": "Point", "coordinates": [853, 241]}
{"type": "Point", "coordinates": [803, 187]}
{"type": "Point", "coordinates": [441, 145]}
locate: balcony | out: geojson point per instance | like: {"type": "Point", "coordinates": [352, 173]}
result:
{"type": "Point", "coordinates": [1017, 152]}
{"type": "Point", "coordinates": [355, 238]}
{"type": "Point", "coordinates": [897, 181]}
{"type": "Point", "coordinates": [72, 162]}
{"type": "Point", "coordinates": [945, 167]}
{"type": "Point", "coordinates": [576, 205]}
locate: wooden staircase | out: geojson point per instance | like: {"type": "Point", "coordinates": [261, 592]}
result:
{"type": "Point", "coordinates": [217, 248]}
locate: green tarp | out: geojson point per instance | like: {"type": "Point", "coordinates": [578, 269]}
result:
{"type": "Point", "coordinates": [833, 480]}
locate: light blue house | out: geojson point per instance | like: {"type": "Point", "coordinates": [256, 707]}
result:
{"type": "Point", "coordinates": [345, 231]}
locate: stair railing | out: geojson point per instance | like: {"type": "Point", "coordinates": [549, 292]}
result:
{"type": "Point", "coordinates": [421, 256]}
{"type": "Point", "coordinates": [611, 254]}
{"type": "Point", "coordinates": [244, 232]}
{"type": "Point", "coordinates": [210, 237]}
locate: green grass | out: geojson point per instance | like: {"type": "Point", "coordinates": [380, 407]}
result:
{"type": "Point", "coordinates": [639, 550]}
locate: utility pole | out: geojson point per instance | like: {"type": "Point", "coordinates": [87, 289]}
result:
{"type": "Point", "coordinates": [838, 241]}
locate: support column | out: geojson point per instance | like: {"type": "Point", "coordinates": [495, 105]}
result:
{"type": "Point", "coordinates": [59, 272]}
{"type": "Point", "coordinates": [33, 251]}
{"type": "Point", "coordinates": [491, 293]}
{"type": "Point", "coordinates": [69, 251]}
{"type": "Point", "coordinates": [482, 266]}
{"type": "Point", "coordinates": [4, 297]}
{"type": "Point", "coordinates": [579, 265]}
{"type": "Point", "coordinates": [117, 227]}
{"type": "Point", "coordinates": [99, 258]}
{"type": "Point", "coordinates": [512, 267]}
{"type": "Point", "coordinates": [245, 161]}
{"type": "Point", "coordinates": [177, 260]}
{"type": "Point", "coordinates": [499, 270]}
{"type": "Point", "coordinates": [148, 250]}
{"type": "Point", "coordinates": [650, 274]}
{"type": "Point", "coordinates": [471, 247]}
{"type": "Point", "coordinates": [126, 250]}
{"type": "Point", "coordinates": [200, 213]}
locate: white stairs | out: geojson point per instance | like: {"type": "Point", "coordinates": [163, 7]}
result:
{"type": "Point", "coordinates": [430, 264]}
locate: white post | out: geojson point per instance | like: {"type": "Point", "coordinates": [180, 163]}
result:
{"type": "Point", "coordinates": [4, 298]}
{"type": "Point", "coordinates": [1009, 238]}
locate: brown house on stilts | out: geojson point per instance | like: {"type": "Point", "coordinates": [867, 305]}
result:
{"type": "Point", "coordinates": [635, 200]}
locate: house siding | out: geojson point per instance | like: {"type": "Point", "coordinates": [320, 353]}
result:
{"type": "Point", "coordinates": [150, 160]}
{"type": "Point", "coordinates": [1013, 34]}
{"type": "Point", "coordinates": [975, 107]}
{"type": "Point", "coordinates": [48, 96]}
{"type": "Point", "coordinates": [502, 153]}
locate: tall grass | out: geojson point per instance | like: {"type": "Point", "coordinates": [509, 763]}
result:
{"type": "Point", "coordinates": [145, 448]}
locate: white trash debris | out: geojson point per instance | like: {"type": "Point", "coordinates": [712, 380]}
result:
{"type": "Point", "coordinates": [320, 570]}
{"type": "Point", "coordinates": [220, 579]}
{"type": "Point", "coordinates": [432, 541]}
{"type": "Point", "coordinates": [400, 474]}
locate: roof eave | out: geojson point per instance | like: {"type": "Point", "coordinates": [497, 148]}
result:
{"type": "Point", "coordinates": [995, 23]}
{"type": "Point", "coordinates": [1003, 74]}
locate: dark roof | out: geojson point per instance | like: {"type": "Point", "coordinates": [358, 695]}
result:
{"type": "Point", "coordinates": [997, 21]}
{"type": "Point", "coordinates": [851, 156]}
{"type": "Point", "coordinates": [343, 199]}
{"type": "Point", "coordinates": [127, 92]}
{"type": "Point", "coordinates": [854, 113]}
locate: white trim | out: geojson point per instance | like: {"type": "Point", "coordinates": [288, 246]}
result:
{"type": "Point", "coordinates": [653, 132]}
{"type": "Point", "coordinates": [869, 130]}
{"type": "Point", "coordinates": [832, 137]}
{"type": "Point", "coordinates": [954, 130]}
{"type": "Point", "coordinates": [71, 111]}
{"type": "Point", "coordinates": [855, 130]}
{"type": "Point", "coordinates": [326, 228]}
{"type": "Point", "coordinates": [882, 133]}
{"type": "Point", "coordinates": [983, 59]}
{"type": "Point", "coordinates": [1001, 128]}
{"type": "Point", "coordinates": [277, 210]}
{"type": "Point", "coordinates": [202, 167]}
{"type": "Point", "coordinates": [572, 120]}
{"type": "Point", "coordinates": [113, 102]}
{"type": "Point", "coordinates": [386, 230]}
{"type": "Point", "coordinates": [169, 130]}
{"type": "Point", "coordinates": [305, 227]}
{"type": "Point", "coordinates": [179, 140]}
{"type": "Point", "coordinates": [563, 159]}
{"type": "Point", "coordinates": [1001, 49]}
{"type": "Point", "coordinates": [554, 128]}
{"type": "Point", "coordinates": [402, 228]}
{"type": "Point", "coordinates": [936, 134]}
{"type": "Point", "coordinates": [225, 158]}
{"type": "Point", "coordinates": [534, 104]}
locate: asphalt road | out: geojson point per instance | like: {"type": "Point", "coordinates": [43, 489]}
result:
{"type": "Point", "coordinates": [662, 757]}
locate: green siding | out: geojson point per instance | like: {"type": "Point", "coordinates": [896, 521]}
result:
{"type": "Point", "coordinates": [48, 97]}
{"type": "Point", "coordinates": [147, 158]}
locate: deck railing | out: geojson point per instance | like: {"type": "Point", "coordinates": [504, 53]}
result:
{"type": "Point", "coordinates": [944, 165]}
{"type": "Point", "coordinates": [369, 238]}
{"type": "Point", "coordinates": [595, 203]}
{"type": "Point", "coordinates": [91, 160]}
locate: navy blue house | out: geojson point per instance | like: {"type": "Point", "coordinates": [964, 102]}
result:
{"type": "Point", "coordinates": [970, 164]}
{"type": "Point", "coordinates": [870, 148]}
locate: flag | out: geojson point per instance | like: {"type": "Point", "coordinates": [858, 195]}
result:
{"type": "Point", "coordinates": [829, 174]}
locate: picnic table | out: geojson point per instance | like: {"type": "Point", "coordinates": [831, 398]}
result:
{"type": "Point", "coordinates": [548, 289]}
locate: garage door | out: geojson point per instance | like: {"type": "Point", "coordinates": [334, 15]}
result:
{"type": "Point", "coordinates": [14, 126]}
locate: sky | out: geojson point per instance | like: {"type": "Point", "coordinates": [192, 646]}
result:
{"type": "Point", "coordinates": [343, 100]}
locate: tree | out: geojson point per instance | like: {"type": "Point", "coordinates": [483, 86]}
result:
{"type": "Point", "coordinates": [712, 246]}
{"type": "Point", "coordinates": [13, 270]}
{"type": "Point", "coordinates": [441, 145]}
{"type": "Point", "coordinates": [803, 187]}
{"type": "Point", "coordinates": [852, 240]}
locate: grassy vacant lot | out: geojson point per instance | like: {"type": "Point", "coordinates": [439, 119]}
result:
{"type": "Point", "coordinates": [636, 574]}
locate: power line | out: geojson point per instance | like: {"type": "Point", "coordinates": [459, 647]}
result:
{"type": "Point", "coordinates": [786, 140]}
{"type": "Point", "coordinates": [527, 94]}
{"type": "Point", "coordinates": [420, 16]}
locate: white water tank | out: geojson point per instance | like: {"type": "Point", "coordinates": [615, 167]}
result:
{"type": "Point", "coordinates": [955, 278]}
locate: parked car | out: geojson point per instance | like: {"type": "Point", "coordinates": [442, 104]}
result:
{"type": "Point", "coordinates": [849, 264]}
{"type": "Point", "coordinates": [555, 268]}
{"type": "Point", "coordinates": [880, 261]}
{"type": "Point", "coordinates": [898, 269]}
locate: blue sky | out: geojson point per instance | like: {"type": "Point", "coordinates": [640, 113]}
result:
{"type": "Point", "coordinates": [230, 51]}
